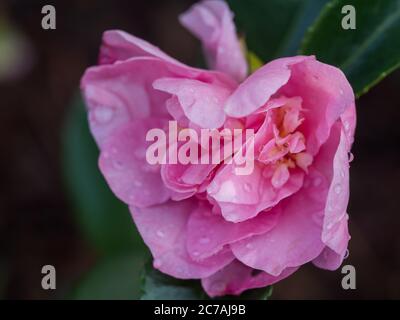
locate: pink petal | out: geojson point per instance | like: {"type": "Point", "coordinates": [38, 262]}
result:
{"type": "Point", "coordinates": [201, 102]}
{"type": "Point", "coordinates": [296, 238]}
{"type": "Point", "coordinates": [124, 165]}
{"type": "Point", "coordinates": [329, 259]}
{"type": "Point", "coordinates": [212, 22]}
{"type": "Point", "coordinates": [119, 46]}
{"type": "Point", "coordinates": [280, 176]}
{"type": "Point", "coordinates": [257, 89]}
{"type": "Point", "coordinates": [242, 197]}
{"type": "Point", "coordinates": [163, 229]}
{"type": "Point", "coordinates": [335, 232]}
{"type": "Point", "coordinates": [208, 233]}
{"type": "Point", "coordinates": [237, 277]}
{"type": "Point", "coordinates": [326, 95]}
{"type": "Point", "coordinates": [121, 92]}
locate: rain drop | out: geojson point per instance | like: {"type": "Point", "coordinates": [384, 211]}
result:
{"type": "Point", "coordinates": [346, 255]}
{"type": "Point", "coordinates": [195, 253]}
{"type": "Point", "coordinates": [218, 286]}
{"type": "Point", "coordinates": [317, 181]}
{"type": "Point", "coordinates": [351, 157]}
{"type": "Point", "coordinates": [118, 164]}
{"type": "Point", "coordinates": [103, 114]}
{"type": "Point", "coordinates": [157, 263]}
{"type": "Point", "coordinates": [160, 234]}
{"type": "Point", "coordinates": [338, 189]}
{"type": "Point", "coordinates": [247, 187]}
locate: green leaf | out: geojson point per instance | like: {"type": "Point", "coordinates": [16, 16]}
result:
{"type": "Point", "coordinates": [158, 286]}
{"type": "Point", "coordinates": [105, 221]}
{"type": "Point", "coordinates": [274, 28]}
{"type": "Point", "coordinates": [368, 53]}
{"type": "Point", "coordinates": [253, 61]}
{"type": "Point", "coordinates": [112, 279]}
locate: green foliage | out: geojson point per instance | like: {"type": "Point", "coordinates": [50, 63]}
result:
{"type": "Point", "coordinates": [274, 28]}
{"type": "Point", "coordinates": [368, 53]}
{"type": "Point", "coordinates": [113, 278]}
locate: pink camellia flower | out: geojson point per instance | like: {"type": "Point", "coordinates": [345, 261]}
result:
{"type": "Point", "coordinates": [203, 221]}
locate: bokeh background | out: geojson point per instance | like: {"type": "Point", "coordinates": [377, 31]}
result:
{"type": "Point", "coordinates": [48, 164]}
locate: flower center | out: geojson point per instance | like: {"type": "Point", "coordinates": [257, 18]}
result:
{"type": "Point", "coordinates": [286, 149]}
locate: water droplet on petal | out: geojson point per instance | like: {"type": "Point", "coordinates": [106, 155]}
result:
{"type": "Point", "coordinates": [195, 253]}
{"type": "Point", "coordinates": [119, 165]}
{"type": "Point", "coordinates": [137, 183]}
{"type": "Point", "coordinates": [351, 157]}
{"type": "Point", "coordinates": [157, 263]}
{"type": "Point", "coordinates": [346, 255]}
{"type": "Point", "coordinates": [338, 189]}
{"type": "Point", "coordinates": [341, 92]}
{"type": "Point", "coordinates": [249, 246]}
{"type": "Point", "coordinates": [103, 114]}
{"type": "Point", "coordinates": [218, 287]}
{"type": "Point", "coordinates": [160, 233]}
{"type": "Point", "coordinates": [346, 125]}
{"type": "Point", "coordinates": [247, 187]}
{"type": "Point", "coordinates": [317, 181]}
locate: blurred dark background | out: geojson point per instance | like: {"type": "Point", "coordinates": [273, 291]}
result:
{"type": "Point", "coordinates": [37, 223]}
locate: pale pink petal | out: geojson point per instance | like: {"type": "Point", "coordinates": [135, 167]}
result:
{"type": "Point", "coordinates": [164, 230]}
{"type": "Point", "coordinates": [335, 232]}
{"type": "Point", "coordinates": [242, 197]}
{"type": "Point", "coordinates": [185, 180]}
{"type": "Point", "coordinates": [119, 46]}
{"type": "Point", "coordinates": [258, 88]}
{"type": "Point", "coordinates": [329, 259]}
{"type": "Point", "coordinates": [212, 22]}
{"type": "Point", "coordinates": [208, 232]}
{"type": "Point", "coordinates": [120, 92]}
{"type": "Point", "coordinates": [201, 102]}
{"type": "Point", "coordinates": [349, 124]}
{"type": "Point", "coordinates": [326, 95]}
{"type": "Point", "coordinates": [281, 176]}
{"type": "Point", "coordinates": [116, 94]}
{"type": "Point", "coordinates": [237, 277]}
{"type": "Point", "coordinates": [124, 165]}
{"type": "Point", "coordinates": [296, 239]}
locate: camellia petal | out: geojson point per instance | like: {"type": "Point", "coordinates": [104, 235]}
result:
{"type": "Point", "coordinates": [212, 22]}
{"type": "Point", "coordinates": [163, 229]}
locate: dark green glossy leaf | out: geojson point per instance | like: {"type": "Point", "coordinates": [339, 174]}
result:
{"type": "Point", "coordinates": [105, 220]}
{"type": "Point", "coordinates": [158, 286]}
{"type": "Point", "coordinates": [274, 28]}
{"type": "Point", "coordinates": [114, 278]}
{"type": "Point", "coordinates": [366, 54]}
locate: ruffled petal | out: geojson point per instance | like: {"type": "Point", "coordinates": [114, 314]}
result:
{"type": "Point", "coordinates": [212, 22]}
{"type": "Point", "coordinates": [123, 164]}
{"type": "Point", "coordinates": [119, 45]}
{"type": "Point", "coordinates": [208, 232]}
{"type": "Point", "coordinates": [201, 102]}
{"type": "Point", "coordinates": [237, 277]}
{"type": "Point", "coordinates": [163, 229]}
{"type": "Point", "coordinates": [257, 89]}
